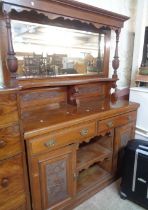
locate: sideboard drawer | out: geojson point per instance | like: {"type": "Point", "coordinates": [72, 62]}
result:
{"type": "Point", "coordinates": [11, 183]}
{"type": "Point", "coordinates": [62, 137]}
{"type": "Point", "coordinates": [120, 120]}
{"type": "Point", "coordinates": [8, 108]}
{"type": "Point", "coordinates": [10, 143]}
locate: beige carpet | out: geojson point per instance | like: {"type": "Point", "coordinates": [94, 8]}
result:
{"type": "Point", "coordinates": [108, 199]}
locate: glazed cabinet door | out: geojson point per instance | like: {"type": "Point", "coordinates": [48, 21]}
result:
{"type": "Point", "coordinates": [52, 178]}
{"type": "Point", "coordinates": [122, 135]}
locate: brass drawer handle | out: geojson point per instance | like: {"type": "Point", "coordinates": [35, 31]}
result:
{"type": "Point", "coordinates": [50, 143]}
{"type": "Point", "coordinates": [2, 143]}
{"type": "Point", "coordinates": [110, 124]}
{"type": "Point", "coordinates": [84, 132]}
{"type": "Point", "coordinates": [5, 182]}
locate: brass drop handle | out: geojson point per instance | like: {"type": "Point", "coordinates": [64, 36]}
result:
{"type": "Point", "coordinates": [2, 143]}
{"type": "Point", "coordinates": [110, 124]}
{"type": "Point", "coordinates": [84, 132]}
{"type": "Point", "coordinates": [5, 182]}
{"type": "Point", "coordinates": [50, 143]}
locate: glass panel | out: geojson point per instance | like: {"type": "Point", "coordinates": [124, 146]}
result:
{"type": "Point", "coordinates": [52, 50]}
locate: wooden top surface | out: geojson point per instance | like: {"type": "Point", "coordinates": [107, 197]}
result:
{"type": "Point", "coordinates": [43, 120]}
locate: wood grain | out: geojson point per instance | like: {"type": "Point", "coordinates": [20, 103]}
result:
{"type": "Point", "coordinates": [8, 108]}
{"type": "Point", "coordinates": [62, 137]}
{"type": "Point", "coordinates": [12, 191]}
{"type": "Point", "coordinates": [10, 143]}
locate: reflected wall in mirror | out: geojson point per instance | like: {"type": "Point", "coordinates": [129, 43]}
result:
{"type": "Point", "coordinates": [50, 50]}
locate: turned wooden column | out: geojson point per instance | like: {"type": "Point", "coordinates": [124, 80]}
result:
{"type": "Point", "coordinates": [12, 63]}
{"type": "Point", "coordinates": [115, 62]}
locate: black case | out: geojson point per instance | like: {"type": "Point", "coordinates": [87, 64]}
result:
{"type": "Point", "coordinates": [134, 182]}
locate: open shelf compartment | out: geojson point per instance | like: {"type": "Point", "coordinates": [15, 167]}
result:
{"type": "Point", "coordinates": [90, 177]}
{"type": "Point", "coordinates": [90, 153]}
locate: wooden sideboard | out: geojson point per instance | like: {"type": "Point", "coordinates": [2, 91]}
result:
{"type": "Point", "coordinates": [61, 136]}
{"type": "Point", "coordinates": [70, 152]}
{"type": "Point", "coordinates": [77, 154]}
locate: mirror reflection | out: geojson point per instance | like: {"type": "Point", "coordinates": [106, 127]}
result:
{"type": "Point", "coordinates": [51, 50]}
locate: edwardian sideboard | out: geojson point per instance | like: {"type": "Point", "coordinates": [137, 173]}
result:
{"type": "Point", "coordinates": [62, 127]}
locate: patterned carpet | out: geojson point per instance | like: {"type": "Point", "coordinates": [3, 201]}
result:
{"type": "Point", "coordinates": [108, 199]}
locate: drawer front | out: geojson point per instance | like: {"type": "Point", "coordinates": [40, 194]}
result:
{"type": "Point", "coordinates": [8, 109]}
{"type": "Point", "coordinates": [120, 120]}
{"type": "Point", "coordinates": [10, 143]}
{"type": "Point", "coordinates": [62, 137]}
{"type": "Point", "coordinates": [11, 183]}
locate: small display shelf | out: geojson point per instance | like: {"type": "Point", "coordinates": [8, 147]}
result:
{"type": "Point", "coordinates": [91, 176]}
{"type": "Point", "coordinates": [90, 153]}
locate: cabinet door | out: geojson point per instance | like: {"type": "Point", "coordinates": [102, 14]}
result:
{"type": "Point", "coordinates": [122, 135]}
{"type": "Point", "coordinates": [52, 178]}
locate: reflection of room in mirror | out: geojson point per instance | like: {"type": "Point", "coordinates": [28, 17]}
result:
{"type": "Point", "coordinates": [52, 50]}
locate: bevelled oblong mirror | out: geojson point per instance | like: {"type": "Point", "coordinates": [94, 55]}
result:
{"type": "Point", "coordinates": [48, 50]}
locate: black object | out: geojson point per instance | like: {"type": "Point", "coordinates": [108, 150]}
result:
{"type": "Point", "coordinates": [134, 183]}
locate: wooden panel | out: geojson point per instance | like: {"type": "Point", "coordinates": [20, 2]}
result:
{"type": "Point", "coordinates": [22, 207]}
{"type": "Point", "coordinates": [120, 120]}
{"type": "Point", "coordinates": [10, 143]}
{"type": "Point", "coordinates": [81, 92]}
{"type": "Point", "coordinates": [107, 164]}
{"type": "Point", "coordinates": [122, 135]}
{"type": "Point", "coordinates": [11, 183]}
{"type": "Point", "coordinates": [62, 137]}
{"type": "Point", "coordinates": [41, 97]}
{"type": "Point", "coordinates": [52, 178]}
{"type": "Point", "coordinates": [8, 108]}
